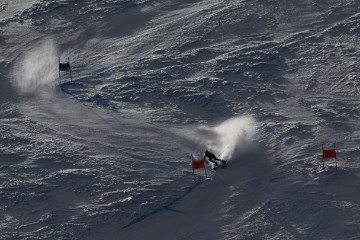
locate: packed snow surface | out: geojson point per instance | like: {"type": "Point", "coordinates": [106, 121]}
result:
{"type": "Point", "coordinates": [264, 84]}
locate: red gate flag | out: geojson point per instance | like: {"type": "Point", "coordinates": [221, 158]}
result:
{"type": "Point", "coordinates": [198, 164]}
{"type": "Point", "coordinates": [329, 153]}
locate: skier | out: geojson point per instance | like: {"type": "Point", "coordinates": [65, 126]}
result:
{"type": "Point", "coordinates": [212, 158]}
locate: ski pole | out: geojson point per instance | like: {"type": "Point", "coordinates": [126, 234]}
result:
{"type": "Point", "coordinates": [223, 151]}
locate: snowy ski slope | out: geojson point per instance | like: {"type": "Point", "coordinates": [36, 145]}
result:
{"type": "Point", "coordinates": [264, 83]}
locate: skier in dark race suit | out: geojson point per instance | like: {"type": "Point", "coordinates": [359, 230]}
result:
{"type": "Point", "coordinates": [212, 158]}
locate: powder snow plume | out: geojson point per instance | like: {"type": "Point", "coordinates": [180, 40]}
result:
{"type": "Point", "coordinates": [229, 138]}
{"type": "Point", "coordinates": [36, 68]}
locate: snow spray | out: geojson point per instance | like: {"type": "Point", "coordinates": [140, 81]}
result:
{"type": "Point", "coordinates": [229, 138]}
{"type": "Point", "coordinates": [37, 68]}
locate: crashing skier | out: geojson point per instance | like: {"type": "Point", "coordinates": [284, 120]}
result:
{"type": "Point", "coordinates": [212, 158]}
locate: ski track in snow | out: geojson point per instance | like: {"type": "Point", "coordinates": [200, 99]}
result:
{"type": "Point", "coordinates": [153, 82]}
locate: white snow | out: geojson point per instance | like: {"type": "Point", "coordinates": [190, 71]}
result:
{"type": "Point", "coordinates": [264, 84]}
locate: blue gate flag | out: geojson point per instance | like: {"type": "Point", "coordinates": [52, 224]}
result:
{"type": "Point", "coordinates": [64, 66]}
